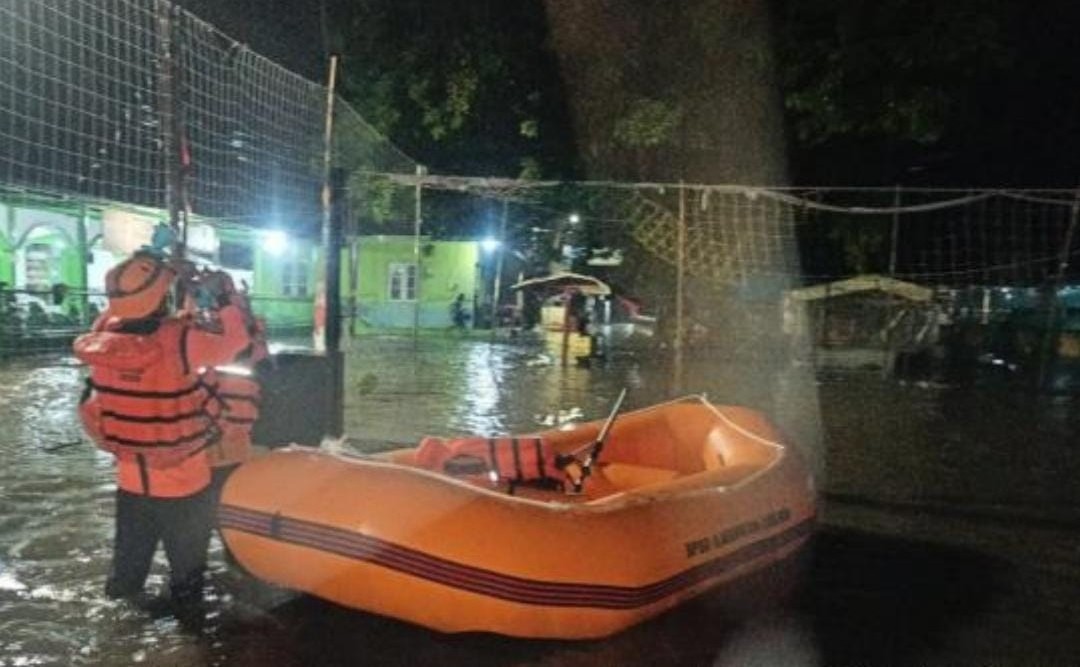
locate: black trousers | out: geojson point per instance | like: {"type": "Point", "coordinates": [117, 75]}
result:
{"type": "Point", "coordinates": [181, 524]}
{"type": "Point", "coordinates": [218, 476]}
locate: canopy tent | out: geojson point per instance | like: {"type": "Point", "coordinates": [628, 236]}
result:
{"type": "Point", "coordinates": [863, 283]}
{"type": "Point", "coordinates": [558, 282]}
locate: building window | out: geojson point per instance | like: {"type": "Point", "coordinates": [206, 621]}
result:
{"type": "Point", "coordinates": [294, 277]}
{"type": "Point", "coordinates": [402, 282]}
{"type": "Point", "coordinates": [237, 255]}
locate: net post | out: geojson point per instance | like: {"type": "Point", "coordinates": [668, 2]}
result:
{"type": "Point", "coordinates": [331, 261]}
{"type": "Point", "coordinates": [888, 361]}
{"type": "Point", "coordinates": [335, 357]}
{"type": "Point", "coordinates": [1055, 287]}
{"type": "Point", "coordinates": [171, 130]}
{"type": "Point", "coordinates": [680, 288]}
{"type": "Point", "coordinates": [895, 236]}
{"type": "Point", "coordinates": [499, 267]}
{"type": "Point", "coordinates": [326, 239]}
{"type": "Point", "coordinates": [418, 222]}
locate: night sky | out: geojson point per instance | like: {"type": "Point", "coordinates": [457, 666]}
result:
{"type": "Point", "coordinates": [288, 32]}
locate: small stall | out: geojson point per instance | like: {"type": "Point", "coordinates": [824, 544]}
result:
{"type": "Point", "coordinates": [861, 322]}
{"type": "Point", "coordinates": [573, 307]}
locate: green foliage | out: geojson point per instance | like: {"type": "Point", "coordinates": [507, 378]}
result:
{"type": "Point", "coordinates": [445, 110]}
{"type": "Point", "coordinates": [530, 128]}
{"type": "Point", "coordinates": [463, 87]}
{"type": "Point", "coordinates": [366, 385]}
{"type": "Point", "coordinates": [647, 123]}
{"type": "Point", "coordinates": [530, 169]}
{"type": "Point", "coordinates": [374, 200]}
{"type": "Point", "coordinates": [466, 87]}
{"type": "Point", "coordinates": [893, 69]}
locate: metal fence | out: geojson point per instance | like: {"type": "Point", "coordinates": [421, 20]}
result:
{"type": "Point", "coordinates": [139, 102]}
{"type": "Point", "coordinates": [117, 99]}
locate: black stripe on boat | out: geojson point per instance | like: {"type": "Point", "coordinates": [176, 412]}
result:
{"type": "Point", "coordinates": [494, 584]}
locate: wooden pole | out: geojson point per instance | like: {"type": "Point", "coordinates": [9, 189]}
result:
{"type": "Point", "coordinates": [566, 327]}
{"type": "Point", "coordinates": [418, 222]}
{"type": "Point", "coordinates": [332, 200]}
{"type": "Point", "coordinates": [334, 355]}
{"type": "Point", "coordinates": [175, 152]}
{"type": "Point", "coordinates": [680, 278]}
{"type": "Point", "coordinates": [167, 112]}
{"type": "Point", "coordinates": [327, 213]}
{"type": "Point", "coordinates": [888, 361]}
{"type": "Point", "coordinates": [895, 236]}
{"type": "Point", "coordinates": [354, 281]}
{"type": "Point", "coordinates": [499, 268]}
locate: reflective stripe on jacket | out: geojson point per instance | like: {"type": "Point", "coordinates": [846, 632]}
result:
{"type": "Point", "coordinates": [240, 394]}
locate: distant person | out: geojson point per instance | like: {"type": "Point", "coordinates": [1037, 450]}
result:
{"type": "Point", "coordinates": [579, 313]}
{"type": "Point", "coordinates": [459, 315]}
{"type": "Point", "coordinates": [147, 405]}
{"type": "Point", "coordinates": [531, 310]}
{"type": "Point", "coordinates": [36, 315]}
{"type": "Point", "coordinates": [59, 293]}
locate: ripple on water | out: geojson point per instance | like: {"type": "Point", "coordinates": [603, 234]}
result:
{"type": "Point", "coordinates": [8, 582]}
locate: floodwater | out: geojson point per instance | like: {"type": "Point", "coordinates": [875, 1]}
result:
{"type": "Point", "coordinates": [949, 530]}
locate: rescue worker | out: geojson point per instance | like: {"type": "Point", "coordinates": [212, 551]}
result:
{"type": "Point", "coordinates": [147, 404]}
{"type": "Point", "coordinates": [237, 386]}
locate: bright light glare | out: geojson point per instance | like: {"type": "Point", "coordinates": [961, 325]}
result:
{"type": "Point", "coordinates": [574, 218]}
{"type": "Point", "coordinates": [489, 244]}
{"type": "Point", "coordinates": [275, 242]}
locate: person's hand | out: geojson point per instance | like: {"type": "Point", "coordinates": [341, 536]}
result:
{"type": "Point", "coordinates": [186, 271]}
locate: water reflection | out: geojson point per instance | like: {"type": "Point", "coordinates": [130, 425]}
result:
{"type": "Point", "coordinates": [478, 383]}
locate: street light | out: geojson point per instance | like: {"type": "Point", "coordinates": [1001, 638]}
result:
{"type": "Point", "coordinates": [275, 242]}
{"type": "Point", "coordinates": [574, 218]}
{"type": "Point", "coordinates": [489, 245]}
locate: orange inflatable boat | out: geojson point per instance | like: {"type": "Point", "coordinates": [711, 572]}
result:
{"type": "Point", "coordinates": [563, 534]}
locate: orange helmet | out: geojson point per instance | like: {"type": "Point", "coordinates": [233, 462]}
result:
{"type": "Point", "coordinates": [137, 286]}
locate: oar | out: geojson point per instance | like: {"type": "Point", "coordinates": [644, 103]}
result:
{"type": "Point", "coordinates": [598, 445]}
{"type": "Point", "coordinates": [594, 448]}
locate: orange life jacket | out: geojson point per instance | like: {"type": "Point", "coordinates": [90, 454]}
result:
{"type": "Point", "coordinates": [148, 405]}
{"type": "Point", "coordinates": [239, 391]}
{"type": "Point", "coordinates": [521, 459]}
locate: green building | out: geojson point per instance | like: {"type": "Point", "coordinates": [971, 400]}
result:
{"type": "Point", "coordinates": [47, 241]}
{"type": "Point", "coordinates": [391, 284]}
{"type": "Point", "coordinates": [394, 291]}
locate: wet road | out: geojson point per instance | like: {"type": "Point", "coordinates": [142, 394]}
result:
{"type": "Point", "coordinates": [949, 538]}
